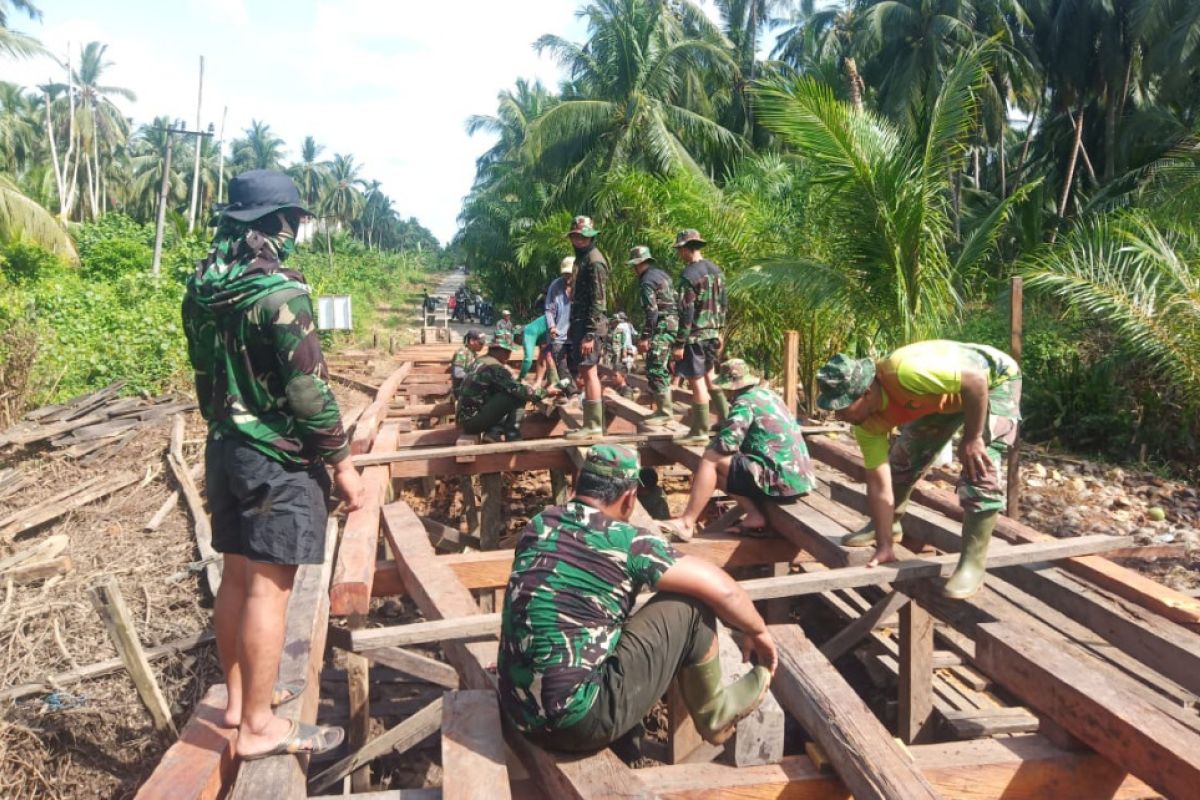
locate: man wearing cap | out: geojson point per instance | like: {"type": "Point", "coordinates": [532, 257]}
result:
{"type": "Point", "coordinates": [465, 358]}
{"type": "Point", "coordinates": [624, 351]}
{"type": "Point", "coordinates": [492, 401]}
{"type": "Point", "coordinates": [505, 323]}
{"type": "Point", "coordinates": [273, 423]}
{"type": "Point", "coordinates": [589, 326]}
{"type": "Point", "coordinates": [558, 319]}
{"type": "Point", "coordinates": [758, 455]}
{"type": "Point", "coordinates": [702, 309]}
{"type": "Point", "coordinates": [578, 668]}
{"type": "Point", "coordinates": [661, 324]}
{"type": "Point", "coordinates": [929, 390]}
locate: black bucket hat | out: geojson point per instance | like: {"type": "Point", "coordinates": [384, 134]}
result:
{"type": "Point", "coordinates": [259, 192]}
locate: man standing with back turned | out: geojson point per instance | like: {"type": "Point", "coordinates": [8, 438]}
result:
{"type": "Point", "coordinates": [702, 309]}
{"type": "Point", "coordinates": [930, 389]}
{"type": "Point", "coordinates": [272, 420]}
{"type": "Point", "coordinates": [589, 325]}
{"type": "Point", "coordinates": [658, 331]}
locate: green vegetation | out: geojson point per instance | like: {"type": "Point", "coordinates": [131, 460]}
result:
{"type": "Point", "coordinates": [880, 178]}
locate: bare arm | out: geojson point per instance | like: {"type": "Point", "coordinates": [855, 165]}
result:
{"type": "Point", "coordinates": [972, 452]}
{"type": "Point", "coordinates": [881, 504]}
{"type": "Point", "coordinates": [712, 586]}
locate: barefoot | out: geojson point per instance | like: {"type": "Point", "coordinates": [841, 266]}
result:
{"type": "Point", "coordinates": [231, 718]}
{"type": "Point", "coordinates": [754, 520]}
{"type": "Point", "coordinates": [680, 528]}
{"type": "Point", "coordinates": [250, 743]}
{"type": "Point", "coordinates": [882, 556]}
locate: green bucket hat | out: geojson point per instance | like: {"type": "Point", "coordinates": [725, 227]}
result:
{"type": "Point", "coordinates": [583, 226]}
{"type": "Point", "coordinates": [689, 236]}
{"type": "Point", "coordinates": [502, 339]}
{"type": "Point", "coordinates": [735, 374]}
{"type": "Point", "coordinates": [613, 461]}
{"type": "Point", "coordinates": [639, 255]}
{"type": "Point", "coordinates": [843, 380]}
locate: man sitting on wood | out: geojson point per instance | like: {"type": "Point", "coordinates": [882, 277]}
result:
{"type": "Point", "coordinates": [930, 390]}
{"type": "Point", "coordinates": [273, 423]}
{"type": "Point", "coordinates": [578, 667]}
{"type": "Point", "coordinates": [492, 401]}
{"type": "Point", "coordinates": [757, 456]}
{"type": "Point", "coordinates": [464, 359]}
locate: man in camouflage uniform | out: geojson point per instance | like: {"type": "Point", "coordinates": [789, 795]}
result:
{"type": "Point", "coordinates": [658, 331]}
{"type": "Point", "coordinates": [465, 358]}
{"type": "Point", "coordinates": [930, 390]}
{"type": "Point", "coordinates": [273, 423]}
{"type": "Point", "coordinates": [758, 455]}
{"type": "Point", "coordinates": [492, 401]}
{"type": "Point", "coordinates": [589, 326]}
{"type": "Point", "coordinates": [702, 309]}
{"type": "Point", "coordinates": [578, 669]}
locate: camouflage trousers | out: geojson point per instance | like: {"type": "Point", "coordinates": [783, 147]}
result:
{"type": "Point", "coordinates": [920, 442]}
{"type": "Point", "coordinates": [658, 361]}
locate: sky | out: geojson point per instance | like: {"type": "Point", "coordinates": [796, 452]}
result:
{"type": "Point", "coordinates": [391, 82]}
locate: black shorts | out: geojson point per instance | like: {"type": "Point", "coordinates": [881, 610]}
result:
{"type": "Point", "coordinates": [743, 481]}
{"type": "Point", "coordinates": [262, 510]}
{"type": "Point", "coordinates": [698, 360]}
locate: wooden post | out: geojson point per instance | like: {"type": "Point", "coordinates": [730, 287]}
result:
{"type": "Point", "coordinates": [558, 487]}
{"type": "Point", "coordinates": [682, 737]}
{"type": "Point", "coordinates": [791, 371]}
{"type": "Point", "coordinates": [358, 684]}
{"type": "Point", "coordinates": [1016, 330]}
{"type": "Point", "coordinates": [466, 485]}
{"type": "Point", "coordinates": [916, 674]}
{"type": "Point", "coordinates": [106, 597]}
{"type": "Point", "coordinates": [492, 523]}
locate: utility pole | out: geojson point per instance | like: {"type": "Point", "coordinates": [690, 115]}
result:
{"type": "Point", "coordinates": [196, 165]}
{"type": "Point", "coordinates": [221, 158]}
{"type": "Point", "coordinates": [156, 267]}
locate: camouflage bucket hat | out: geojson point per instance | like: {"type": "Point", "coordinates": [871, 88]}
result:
{"type": "Point", "coordinates": [639, 255]}
{"type": "Point", "coordinates": [843, 380]}
{"type": "Point", "coordinates": [689, 236]}
{"type": "Point", "coordinates": [735, 374]}
{"type": "Point", "coordinates": [502, 339]}
{"type": "Point", "coordinates": [583, 226]}
{"type": "Point", "coordinates": [613, 461]}
{"type": "Point", "coordinates": [566, 266]}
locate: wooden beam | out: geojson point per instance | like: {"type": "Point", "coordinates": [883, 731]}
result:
{"type": "Point", "coordinates": [473, 756]}
{"type": "Point", "coordinates": [849, 636]}
{"type": "Point", "coordinates": [1016, 768]}
{"type": "Point", "coordinates": [1102, 708]}
{"type": "Point", "coordinates": [866, 757]}
{"type": "Point", "coordinates": [110, 605]}
{"type": "Point", "coordinates": [50, 509]}
{"type": "Point", "coordinates": [399, 739]}
{"type": "Point", "coordinates": [420, 666]}
{"type": "Point", "coordinates": [916, 674]}
{"type": "Point", "coordinates": [482, 465]}
{"type": "Point", "coordinates": [303, 655]}
{"type": "Point", "coordinates": [201, 762]}
{"type": "Point", "coordinates": [495, 448]}
{"type": "Point", "coordinates": [791, 371]}
{"type": "Point", "coordinates": [354, 574]}
{"type": "Point", "coordinates": [358, 728]}
{"type": "Point", "coordinates": [368, 424]}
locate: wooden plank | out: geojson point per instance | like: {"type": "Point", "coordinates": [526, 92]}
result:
{"type": "Point", "coordinates": [358, 727]}
{"type": "Point", "coordinates": [303, 656]}
{"type": "Point", "coordinates": [473, 756]}
{"type": "Point", "coordinates": [916, 674]}
{"type": "Point", "coordinates": [387, 794]}
{"type": "Point", "coordinates": [368, 424]}
{"type": "Point", "coordinates": [50, 509]}
{"type": "Point", "coordinates": [494, 448]}
{"type": "Point", "coordinates": [201, 524]}
{"type": "Point", "coordinates": [849, 636]}
{"type": "Point", "coordinates": [201, 762]}
{"type": "Point", "coordinates": [428, 669]}
{"type": "Point", "coordinates": [1102, 708]}
{"type": "Point", "coordinates": [989, 722]}
{"type": "Point", "coordinates": [498, 462]}
{"type": "Point", "coordinates": [791, 371]}
{"type": "Point", "coordinates": [399, 739]}
{"type": "Point", "coordinates": [1019, 768]}
{"type": "Point", "coordinates": [110, 605]}
{"type": "Point", "coordinates": [38, 570]}
{"type": "Point", "coordinates": [682, 737]}
{"type": "Point", "coordinates": [354, 573]}
{"type": "Point", "coordinates": [866, 757]}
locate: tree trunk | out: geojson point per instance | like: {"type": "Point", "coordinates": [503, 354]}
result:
{"type": "Point", "coordinates": [854, 83]}
{"type": "Point", "coordinates": [1071, 163]}
{"type": "Point", "coordinates": [1110, 134]}
{"type": "Point", "coordinates": [58, 170]}
{"type": "Point", "coordinates": [1001, 155]}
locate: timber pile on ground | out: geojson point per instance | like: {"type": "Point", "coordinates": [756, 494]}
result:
{"type": "Point", "coordinates": [1068, 676]}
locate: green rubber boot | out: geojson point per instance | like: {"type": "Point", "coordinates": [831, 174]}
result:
{"type": "Point", "coordinates": [722, 404]}
{"type": "Point", "coordinates": [716, 709]}
{"type": "Point", "coordinates": [662, 416]}
{"type": "Point", "coordinates": [865, 536]}
{"type": "Point", "coordinates": [512, 427]}
{"type": "Point", "coordinates": [593, 421]}
{"type": "Point", "coordinates": [698, 432]}
{"type": "Point", "coordinates": [968, 575]}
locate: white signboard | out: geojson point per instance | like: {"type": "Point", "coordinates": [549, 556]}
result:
{"type": "Point", "coordinates": [333, 313]}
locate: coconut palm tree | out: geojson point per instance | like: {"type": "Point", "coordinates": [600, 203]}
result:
{"type": "Point", "coordinates": [515, 111]}
{"type": "Point", "coordinates": [311, 176]}
{"type": "Point", "coordinates": [19, 134]}
{"type": "Point", "coordinates": [260, 148]}
{"type": "Point", "coordinates": [343, 198]}
{"type": "Point", "coordinates": [622, 105]}
{"type": "Point", "coordinates": [818, 37]}
{"type": "Point", "coordinates": [146, 164]}
{"type": "Point", "coordinates": [21, 217]}
{"type": "Point", "coordinates": [13, 43]}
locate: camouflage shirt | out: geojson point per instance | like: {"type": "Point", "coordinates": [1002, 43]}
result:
{"type": "Point", "coordinates": [658, 303]}
{"type": "Point", "coordinates": [460, 365]}
{"type": "Point", "coordinates": [256, 357]}
{"type": "Point", "coordinates": [760, 428]}
{"type": "Point", "coordinates": [589, 300]}
{"type": "Point", "coordinates": [486, 378]}
{"type": "Point", "coordinates": [575, 575]}
{"type": "Point", "coordinates": [702, 303]}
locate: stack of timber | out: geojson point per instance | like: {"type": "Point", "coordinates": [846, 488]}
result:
{"type": "Point", "coordinates": [1066, 676]}
{"type": "Point", "coordinates": [86, 424]}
